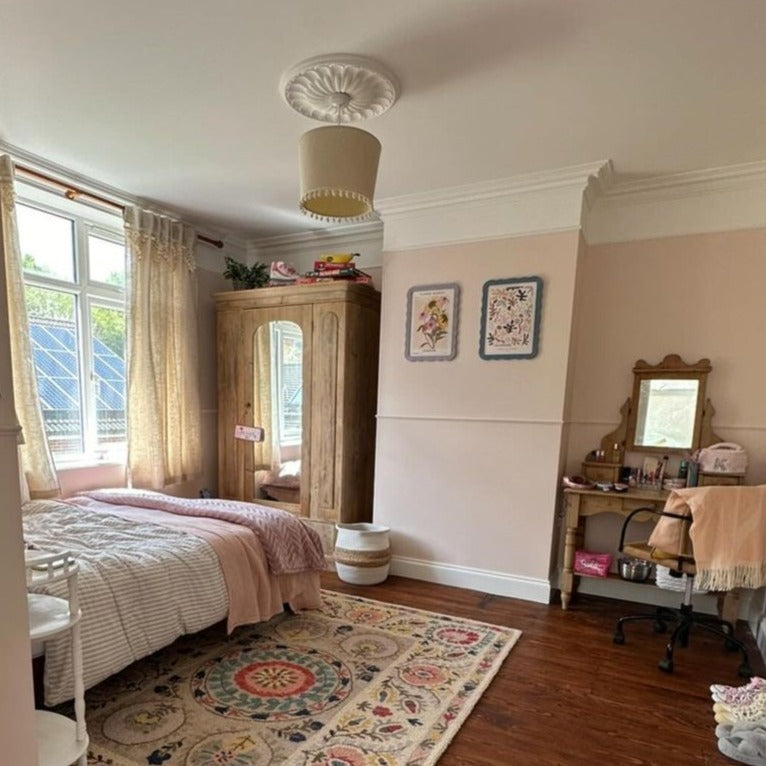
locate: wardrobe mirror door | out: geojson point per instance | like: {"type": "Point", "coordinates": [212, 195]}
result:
{"type": "Point", "coordinates": [278, 406]}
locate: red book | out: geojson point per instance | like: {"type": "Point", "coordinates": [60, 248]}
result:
{"type": "Point", "coordinates": [325, 266]}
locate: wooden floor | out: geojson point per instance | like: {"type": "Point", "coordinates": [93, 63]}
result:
{"type": "Point", "coordinates": [568, 695]}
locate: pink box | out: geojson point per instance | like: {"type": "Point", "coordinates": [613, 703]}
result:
{"type": "Point", "coordinates": [590, 563]}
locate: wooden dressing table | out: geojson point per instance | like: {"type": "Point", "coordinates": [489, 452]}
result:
{"type": "Point", "coordinates": [579, 504]}
{"type": "Point", "coordinates": [666, 397]}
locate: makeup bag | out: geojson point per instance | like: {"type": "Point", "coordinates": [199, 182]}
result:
{"type": "Point", "coordinates": [724, 457]}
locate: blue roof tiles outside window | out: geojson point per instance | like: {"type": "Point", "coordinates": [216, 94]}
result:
{"type": "Point", "coordinates": [74, 273]}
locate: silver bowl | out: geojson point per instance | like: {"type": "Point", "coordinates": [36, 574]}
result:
{"type": "Point", "coordinates": [635, 570]}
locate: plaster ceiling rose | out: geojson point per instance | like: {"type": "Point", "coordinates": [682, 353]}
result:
{"type": "Point", "coordinates": [339, 88]}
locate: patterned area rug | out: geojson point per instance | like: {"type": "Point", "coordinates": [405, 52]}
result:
{"type": "Point", "coordinates": [356, 683]}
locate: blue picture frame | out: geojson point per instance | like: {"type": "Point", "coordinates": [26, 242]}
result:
{"type": "Point", "coordinates": [510, 318]}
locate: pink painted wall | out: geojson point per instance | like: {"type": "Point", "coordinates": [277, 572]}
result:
{"type": "Point", "coordinates": [468, 451]}
{"type": "Point", "coordinates": [697, 296]}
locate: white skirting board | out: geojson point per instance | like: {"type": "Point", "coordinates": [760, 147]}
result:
{"type": "Point", "coordinates": [485, 581]}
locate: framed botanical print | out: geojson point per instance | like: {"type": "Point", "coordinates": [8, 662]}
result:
{"type": "Point", "coordinates": [510, 318]}
{"type": "Point", "coordinates": [432, 319]}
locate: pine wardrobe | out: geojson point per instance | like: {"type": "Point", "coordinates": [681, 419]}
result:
{"type": "Point", "coordinates": [300, 363]}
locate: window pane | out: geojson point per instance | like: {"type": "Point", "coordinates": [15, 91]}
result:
{"type": "Point", "coordinates": [107, 326]}
{"type": "Point", "coordinates": [106, 261]}
{"type": "Point", "coordinates": [47, 243]}
{"type": "Point", "coordinates": [289, 338]}
{"type": "Point", "coordinates": [53, 329]}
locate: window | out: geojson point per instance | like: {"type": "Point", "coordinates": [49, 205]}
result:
{"type": "Point", "coordinates": [287, 341]}
{"type": "Point", "coordinates": [74, 279]}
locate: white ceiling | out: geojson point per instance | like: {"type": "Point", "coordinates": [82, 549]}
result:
{"type": "Point", "coordinates": [177, 101]}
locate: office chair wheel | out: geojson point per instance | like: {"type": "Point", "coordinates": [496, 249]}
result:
{"type": "Point", "coordinates": [744, 670]}
{"type": "Point", "coordinates": [666, 665]}
{"type": "Point", "coordinates": [660, 627]}
{"type": "Point", "coordinates": [619, 637]}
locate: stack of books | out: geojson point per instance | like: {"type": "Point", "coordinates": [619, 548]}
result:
{"type": "Point", "coordinates": [333, 267]}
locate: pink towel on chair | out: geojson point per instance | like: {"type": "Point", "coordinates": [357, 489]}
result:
{"type": "Point", "coordinates": [728, 534]}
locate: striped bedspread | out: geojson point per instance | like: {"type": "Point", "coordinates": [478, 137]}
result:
{"type": "Point", "coordinates": [289, 545]}
{"type": "Point", "coordinates": [141, 586]}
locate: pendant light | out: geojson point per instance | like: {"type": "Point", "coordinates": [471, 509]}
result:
{"type": "Point", "coordinates": [339, 163]}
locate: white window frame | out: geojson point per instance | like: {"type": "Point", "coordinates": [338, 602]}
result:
{"type": "Point", "coordinates": [278, 331]}
{"type": "Point", "coordinates": [88, 294]}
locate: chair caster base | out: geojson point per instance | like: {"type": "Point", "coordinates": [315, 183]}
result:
{"type": "Point", "coordinates": [744, 671]}
{"type": "Point", "coordinates": [618, 638]}
{"type": "Point", "coordinates": [666, 666]}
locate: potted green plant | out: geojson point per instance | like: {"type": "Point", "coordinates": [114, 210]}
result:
{"type": "Point", "coordinates": [246, 277]}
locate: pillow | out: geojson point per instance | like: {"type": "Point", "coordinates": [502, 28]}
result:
{"type": "Point", "coordinates": [290, 468]}
{"type": "Point", "coordinates": [282, 481]}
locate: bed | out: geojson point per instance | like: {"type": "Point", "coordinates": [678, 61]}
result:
{"type": "Point", "coordinates": [155, 567]}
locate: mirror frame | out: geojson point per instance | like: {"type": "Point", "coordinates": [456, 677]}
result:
{"type": "Point", "coordinates": [671, 367]}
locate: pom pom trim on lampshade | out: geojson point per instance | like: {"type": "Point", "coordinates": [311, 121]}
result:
{"type": "Point", "coordinates": [319, 203]}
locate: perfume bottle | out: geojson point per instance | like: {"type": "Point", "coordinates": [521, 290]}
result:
{"type": "Point", "coordinates": [616, 454]}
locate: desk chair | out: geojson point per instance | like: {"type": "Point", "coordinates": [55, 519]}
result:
{"type": "Point", "coordinates": [685, 618]}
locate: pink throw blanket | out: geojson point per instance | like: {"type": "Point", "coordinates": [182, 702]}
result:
{"type": "Point", "coordinates": [288, 544]}
{"type": "Point", "coordinates": [728, 534]}
{"type": "Point", "coordinates": [254, 593]}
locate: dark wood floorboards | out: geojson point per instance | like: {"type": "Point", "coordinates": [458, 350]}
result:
{"type": "Point", "coordinates": [567, 695]}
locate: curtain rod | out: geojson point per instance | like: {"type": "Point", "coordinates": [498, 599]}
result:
{"type": "Point", "coordinates": [73, 193]}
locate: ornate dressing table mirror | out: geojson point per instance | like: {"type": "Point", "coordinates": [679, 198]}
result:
{"type": "Point", "coordinates": [668, 414]}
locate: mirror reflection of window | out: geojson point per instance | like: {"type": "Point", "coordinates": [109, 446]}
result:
{"type": "Point", "coordinates": [287, 382]}
{"type": "Point", "coordinates": [278, 409]}
{"type": "Point", "coordinates": [666, 413]}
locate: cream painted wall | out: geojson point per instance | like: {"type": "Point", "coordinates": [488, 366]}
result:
{"type": "Point", "coordinates": [17, 721]}
{"type": "Point", "coordinates": [468, 451]}
{"type": "Point", "coordinates": [698, 296]}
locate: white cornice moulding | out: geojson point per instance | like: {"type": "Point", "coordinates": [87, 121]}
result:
{"type": "Point", "coordinates": [353, 238]}
{"type": "Point", "coordinates": [536, 203]}
{"type": "Point", "coordinates": [697, 202]}
{"type": "Point", "coordinates": [120, 197]}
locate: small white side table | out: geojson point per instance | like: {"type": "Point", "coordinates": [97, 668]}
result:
{"type": "Point", "coordinates": [60, 741]}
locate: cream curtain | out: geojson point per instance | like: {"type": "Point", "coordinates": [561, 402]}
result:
{"type": "Point", "coordinates": [164, 444]}
{"type": "Point", "coordinates": [36, 460]}
{"type": "Point", "coordinates": [265, 453]}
